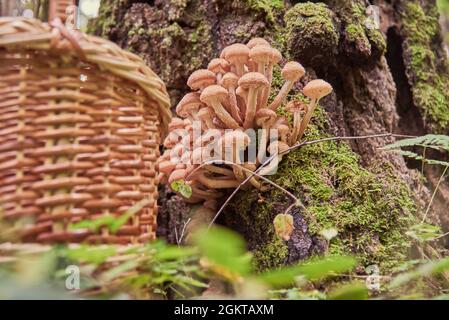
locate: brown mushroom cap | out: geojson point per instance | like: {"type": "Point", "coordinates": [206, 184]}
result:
{"type": "Point", "coordinates": [316, 89]}
{"type": "Point", "coordinates": [175, 123]}
{"type": "Point", "coordinates": [190, 102]}
{"type": "Point", "coordinates": [229, 80]}
{"type": "Point", "coordinates": [201, 78]}
{"type": "Point", "coordinates": [213, 92]}
{"type": "Point", "coordinates": [236, 53]}
{"type": "Point", "coordinates": [253, 79]}
{"type": "Point", "coordinates": [261, 54]}
{"type": "Point", "coordinates": [257, 42]}
{"type": "Point", "coordinates": [219, 65]}
{"type": "Point", "coordinates": [265, 117]}
{"type": "Point", "coordinates": [293, 71]}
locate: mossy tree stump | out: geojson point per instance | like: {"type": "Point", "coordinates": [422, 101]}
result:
{"type": "Point", "coordinates": [394, 79]}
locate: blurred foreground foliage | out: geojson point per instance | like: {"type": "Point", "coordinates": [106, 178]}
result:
{"type": "Point", "coordinates": [215, 265]}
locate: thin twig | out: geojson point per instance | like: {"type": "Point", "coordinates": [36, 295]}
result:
{"type": "Point", "coordinates": [296, 146]}
{"type": "Point", "coordinates": [434, 193]}
{"type": "Point", "coordinates": [183, 231]}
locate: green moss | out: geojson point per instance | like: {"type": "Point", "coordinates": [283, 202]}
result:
{"type": "Point", "coordinates": [429, 88]}
{"type": "Point", "coordinates": [267, 7]}
{"type": "Point", "coordinates": [271, 255]}
{"type": "Point", "coordinates": [370, 207]}
{"type": "Point", "coordinates": [356, 30]}
{"type": "Point", "coordinates": [310, 29]}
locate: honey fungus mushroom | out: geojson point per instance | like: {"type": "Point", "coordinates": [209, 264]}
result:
{"type": "Point", "coordinates": [228, 98]}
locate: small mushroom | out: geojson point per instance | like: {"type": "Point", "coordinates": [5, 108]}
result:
{"type": "Point", "coordinates": [212, 182]}
{"type": "Point", "coordinates": [213, 96]}
{"type": "Point", "coordinates": [291, 72]}
{"type": "Point", "coordinates": [201, 79]}
{"type": "Point", "coordinates": [261, 55]}
{"type": "Point", "coordinates": [188, 106]}
{"type": "Point", "coordinates": [232, 143]}
{"type": "Point", "coordinates": [276, 56]}
{"type": "Point", "coordinates": [276, 148]}
{"type": "Point", "coordinates": [219, 66]}
{"type": "Point", "coordinates": [283, 131]}
{"type": "Point", "coordinates": [296, 108]}
{"type": "Point", "coordinates": [315, 90]}
{"type": "Point", "coordinates": [206, 115]}
{"type": "Point", "coordinates": [229, 81]}
{"type": "Point", "coordinates": [237, 54]}
{"type": "Point", "coordinates": [257, 42]}
{"type": "Point", "coordinates": [253, 81]}
{"type": "Point", "coordinates": [265, 118]}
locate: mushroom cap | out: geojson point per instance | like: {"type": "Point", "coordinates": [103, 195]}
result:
{"type": "Point", "coordinates": [265, 116]}
{"type": "Point", "coordinates": [253, 79]}
{"type": "Point", "coordinates": [277, 147]}
{"type": "Point", "coordinates": [316, 89]}
{"type": "Point", "coordinates": [178, 174]}
{"type": "Point", "coordinates": [189, 103]}
{"type": "Point", "coordinates": [234, 138]}
{"type": "Point", "coordinates": [241, 92]}
{"type": "Point", "coordinates": [175, 123]}
{"type": "Point", "coordinates": [276, 55]}
{"type": "Point", "coordinates": [293, 71]}
{"type": "Point", "coordinates": [213, 93]}
{"type": "Point", "coordinates": [257, 42]}
{"type": "Point", "coordinates": [229, 80]}
{"type": "Point", "coordinates": [236, 53]}
{"type": "Point", "coordinates": [261, 54]}
{"type": "Point", "coordinates": [201, 78]}
{"type": "Point", "coordinates": [219, 65]}
{"type": "Point", "coordinates": [293, 106]}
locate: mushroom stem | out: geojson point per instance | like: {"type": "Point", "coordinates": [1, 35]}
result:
{"type": "Point", "coordinates": [305, 121]}
{"type": "Point", "coordinates": [286, 87]}
{"type": "Point", "coordinates": [223, 115]}
{"type": "Point", "coordinates": [266, 91]}
{"type": "Point", "coordinates": [235, 112]}
{"type": "Point", "coordinates": [251, 108]}
{"type": "Point", "coordinates": [249, 172]}
{"type": "Point", "coordinates": [296, 127]}
{"type": "Point", "coordinates": [215, 183]}
{"type": "Point", "coordinates": [262, 144]}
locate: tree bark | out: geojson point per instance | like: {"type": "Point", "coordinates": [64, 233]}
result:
{"type": "Point", "coordinates": [394, 79]}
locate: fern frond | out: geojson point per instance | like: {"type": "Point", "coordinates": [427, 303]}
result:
{"type": "Point", "coordinates": [435, 141]}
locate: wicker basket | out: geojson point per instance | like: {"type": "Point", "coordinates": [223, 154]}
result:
{"type": "Point", "coordinates": [80, 126]}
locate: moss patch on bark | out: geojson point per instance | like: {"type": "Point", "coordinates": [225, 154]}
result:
{"type": "Point", "coordinates": [426, 71]}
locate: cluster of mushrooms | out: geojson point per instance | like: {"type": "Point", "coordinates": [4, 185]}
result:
{"type": "Point", "coordinates": [228, 98]}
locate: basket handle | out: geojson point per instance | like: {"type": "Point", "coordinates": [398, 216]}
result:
{"type": "Point", "coordinates": [71, 35]}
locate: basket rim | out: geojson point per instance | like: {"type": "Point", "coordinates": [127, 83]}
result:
{"type": "Point", "coordinates": [32, 34]}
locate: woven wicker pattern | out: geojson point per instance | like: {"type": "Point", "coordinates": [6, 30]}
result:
{"type": "Point", "coordinates": [80, 125]}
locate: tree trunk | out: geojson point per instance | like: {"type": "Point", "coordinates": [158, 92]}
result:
{"type": "Point", "coordinates": [394, 79]}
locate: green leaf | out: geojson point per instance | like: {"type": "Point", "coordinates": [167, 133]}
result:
{"type": "Point", "coordinates": [351, 291]}
{"type": "Point", "coordinates": [174, 252]}
{"type": "Point", "coordinates": [182, 188]}
{"type": "Point", "coordinates": [424, 232]}
{"type": "Point", "coordinates": [314, 269]}
{"type": "Point", "coordinates": [115, 225]}
{"type": "Point", "coordinates": [225, 248]}
{"type": "Point", "coordinates": [90, 254]}
{"type": "Point", "coordinates": [428, 269]}
{"type": "Point", "coordinates": [118, 270]}
{"type": "Point", "coordinates": [283, 226]}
